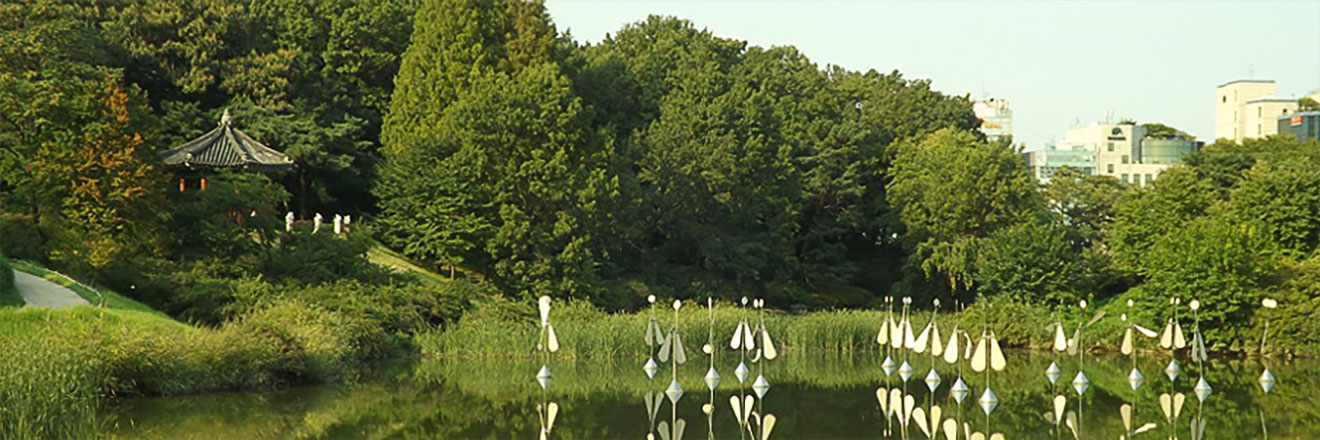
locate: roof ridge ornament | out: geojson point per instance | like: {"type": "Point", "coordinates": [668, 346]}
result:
{"type": "Point", "coordinates": [225, 119]}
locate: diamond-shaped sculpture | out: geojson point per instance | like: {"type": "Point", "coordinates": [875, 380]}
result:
{"type": "Point", "coordinates": [1267, 381]}
{"type": "Point", "coordinates": [888, 366]}
{"type": "Point", "coordinates": [674, 392]}
{"type": "Point", "coordinates": [761, 386]}
{"type": "Point", "coordinates": [1053, 372]}
{"type": "Point", "coordinates": [712, 378]}
{"type": "Point", "coordinates": [650, 368]}
{"type": "Point", "coordinates": [959, 390]}
{"type": "Point", "coordinates": [1202, 389]}
{"type": "Point", "coordinates": [741, 372]}
{"type": "Point", "coordinates": [932, 380]}
{"type": "Point", "coordinates": [543, 376]}
{"type": "Point", "coordinates": [988, 401]}
{"type": "Point", "coordinates": [1172, 370]}
{"type": "Point", "coordinates": [905, 371]}
{"type": "Point", "coordinates": [1135, 379]}
{"type": "Point", "coordinates": [1081, 383]}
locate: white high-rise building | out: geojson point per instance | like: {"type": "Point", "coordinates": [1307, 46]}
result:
{"type": "Point", "coordinates": [1247, 108]}
{"type": "Point", "coordinates": [996, 118]}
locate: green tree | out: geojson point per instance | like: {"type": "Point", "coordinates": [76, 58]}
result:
{"type": "Point", "coordinates": [1285, 198]}
{"type": "Point", "coordinates": [1146, 214]}
{"type": "Point", "coordinates": [1223, 263]}
{"type": "Point", "coordinates": [1306, 104]}
{"type": "Point", "coordinates": [1085, 203]}
{"type": "Point", "coordinates": [1031, 261]}
{"type": "Point", "coordinates": [953, 192]}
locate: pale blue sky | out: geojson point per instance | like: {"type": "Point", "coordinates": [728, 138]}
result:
{"type": "Point", "coordinates": [1056, 63]}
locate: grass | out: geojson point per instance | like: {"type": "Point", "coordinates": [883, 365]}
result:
{"type": "Point", "coordinates": [56, 364]}
{"type": "Point", "coordinates": [381, 255]}
{"type": "Point", "coordinates": [510, 330]}
{"type": "Point", "coordinates": [93, 295]}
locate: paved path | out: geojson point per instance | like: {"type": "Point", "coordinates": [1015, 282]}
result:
{"type": "Point", "coordinates": [39, 292]}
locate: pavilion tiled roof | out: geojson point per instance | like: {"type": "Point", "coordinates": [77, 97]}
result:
{"type": "Point", "coordinates": [226, 147]}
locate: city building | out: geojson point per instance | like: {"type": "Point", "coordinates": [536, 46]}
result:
{"type": "Point", "coordinates": [1247, 108]}
{"type": "Point", "coordinates": [1302, 125]}
{"type": "Point", "coordinates": [1122, 151]}
{"type": "Point", "coordinates": [996, 118]}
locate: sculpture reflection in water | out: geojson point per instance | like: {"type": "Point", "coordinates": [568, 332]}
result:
{"type": "Point", "coordinates": [547, 342]}
{"type": "Point", "coordinates": [756, 422]}
{"type": "Point", "coordinates": [897, 404]}
{"type": "Point", "coordinates": [1135, 379]}
{"type": "Point", "coordinates": [1266, 377]}
{"type": "Point", "coordinates": [1076, 346]}
{"type": "Point", "coordinates": [671, 350]}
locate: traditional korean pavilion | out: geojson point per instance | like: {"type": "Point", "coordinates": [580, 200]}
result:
{"type": "Point", "coordinates": [225, 147]}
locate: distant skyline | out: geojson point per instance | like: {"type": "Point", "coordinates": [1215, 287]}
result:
{"type": "Point", "coordinates": [1056, 63]}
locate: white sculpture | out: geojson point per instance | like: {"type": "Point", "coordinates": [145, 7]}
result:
{"type": "Point", "coordinates": [339, 224]}
{"type": "Point", "coordinates": [316, 223]}
{"type": "Point", "coordinates": [288, 222]}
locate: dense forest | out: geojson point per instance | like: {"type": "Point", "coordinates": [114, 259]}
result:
{"type": "Point", "coordinates": [476, 138]}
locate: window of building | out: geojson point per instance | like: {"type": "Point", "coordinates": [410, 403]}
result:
{"type": "Point", "coordinates": [1110, 168]}
{"type": "Point", "coordinates": [1125, 178]}
{"type": "Point", "coordinates": [1125, 158]}
{"type": "Point", "coordinates": [1260, 111]}
{"type": "Point", "coordinates": [1111, 146]}
{"type": "Point", "coordinates": [1149, 179]}
{"type": "Point", "coordinates": [1257, 128]}
{"type": "Point", "coordinates": [1225, 99]}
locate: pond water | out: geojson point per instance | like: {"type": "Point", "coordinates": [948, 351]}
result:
{"type": "Point", "coordinates": [810, 396]}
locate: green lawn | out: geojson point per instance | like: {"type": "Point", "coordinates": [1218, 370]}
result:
{"type": "Point", "coordinates": [112, 299]}
{"type": "Point", "coordinates": [381, 255]}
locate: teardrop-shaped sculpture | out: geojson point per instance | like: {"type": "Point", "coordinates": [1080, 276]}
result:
{"type": "Point", "coordinates": [651, 367]}
{"type": "Point", "coordinates": [1267, 381]}
{"type": "Point", "coordinates": [674, 392]}
{"type": "Point", "coordinates": [888, 366]}
{"type": "Point", "coordinates": [1202, 389]}
{"type": "Point", "coordinates": [1172, 370]}
{"type": "Point", "coordinates": [712, 378]}
{"type": "Point", "coordinates": [741, 372]}
{"type": "Point", "coordinates": [932, 380]}
{"type": "Point", "coordinates": [905, 371]}
{"type": "Point", "coordinates": [1135, 379]}
{"type": "Point", "coordinates": [761, 386]}
{"type": "Point", "coordinates": [543, 376]}
{"type": "Point", "coordinates": [988, 401]}
{"type": "Point", "coordinates": [1081, 383]}
{"type": "Point", "coordinates": [1053, 372]}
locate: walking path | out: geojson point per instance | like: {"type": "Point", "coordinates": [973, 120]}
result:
{"type": "Point", "coordinates": [39, 292]}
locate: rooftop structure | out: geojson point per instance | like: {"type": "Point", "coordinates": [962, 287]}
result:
{"type": "Point", "coordinates": [226, 147]}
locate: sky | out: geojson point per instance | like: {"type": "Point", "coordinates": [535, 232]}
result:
{"type": "Point", "coordinates": [1057, 63]}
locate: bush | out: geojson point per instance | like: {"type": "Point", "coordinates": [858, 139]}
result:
{"type": "Point", "coordinates": [21, 240]}
{"type": "Point", "coordinates": [8, 294]}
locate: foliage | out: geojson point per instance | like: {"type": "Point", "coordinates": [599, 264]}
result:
{"type": "Point", "coordinates": [1306, 104]}
{"type": "Point", "coordinates": [1085, 203]}
{"type": "Point", "coordinates": [1031, 261]}
{"type": "Point", "coordinates": [8, 294]}
{"type": "Point", "coordinates": [1161, 131]}
{"type": "Point", "coordinates": [1285, 198]}
{"type": "Point", "coordinates": [1144, 215]}
{"type": "Point", "coordinates": [953, 192]}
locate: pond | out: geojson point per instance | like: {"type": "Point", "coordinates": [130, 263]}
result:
{"type": "Point", "coordinates": [810, 396]}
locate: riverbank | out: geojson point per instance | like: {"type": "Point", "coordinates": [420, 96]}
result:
{"type": "Point", "coordinates": [505, 329]}
{"type": "Point", "coordinates": [57, 364]}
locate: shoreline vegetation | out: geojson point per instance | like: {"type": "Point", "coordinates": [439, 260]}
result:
{"type": "Point", "coordinates": [505, 330]}
{"type": "Point", "coordinates": [662, 160]}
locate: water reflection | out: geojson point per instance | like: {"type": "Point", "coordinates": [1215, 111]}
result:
{"type": "Point", "coordinates": [814, 396]}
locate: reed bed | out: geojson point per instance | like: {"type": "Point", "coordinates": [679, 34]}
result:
{"type": "Point", "coordinates": [586, 332]}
